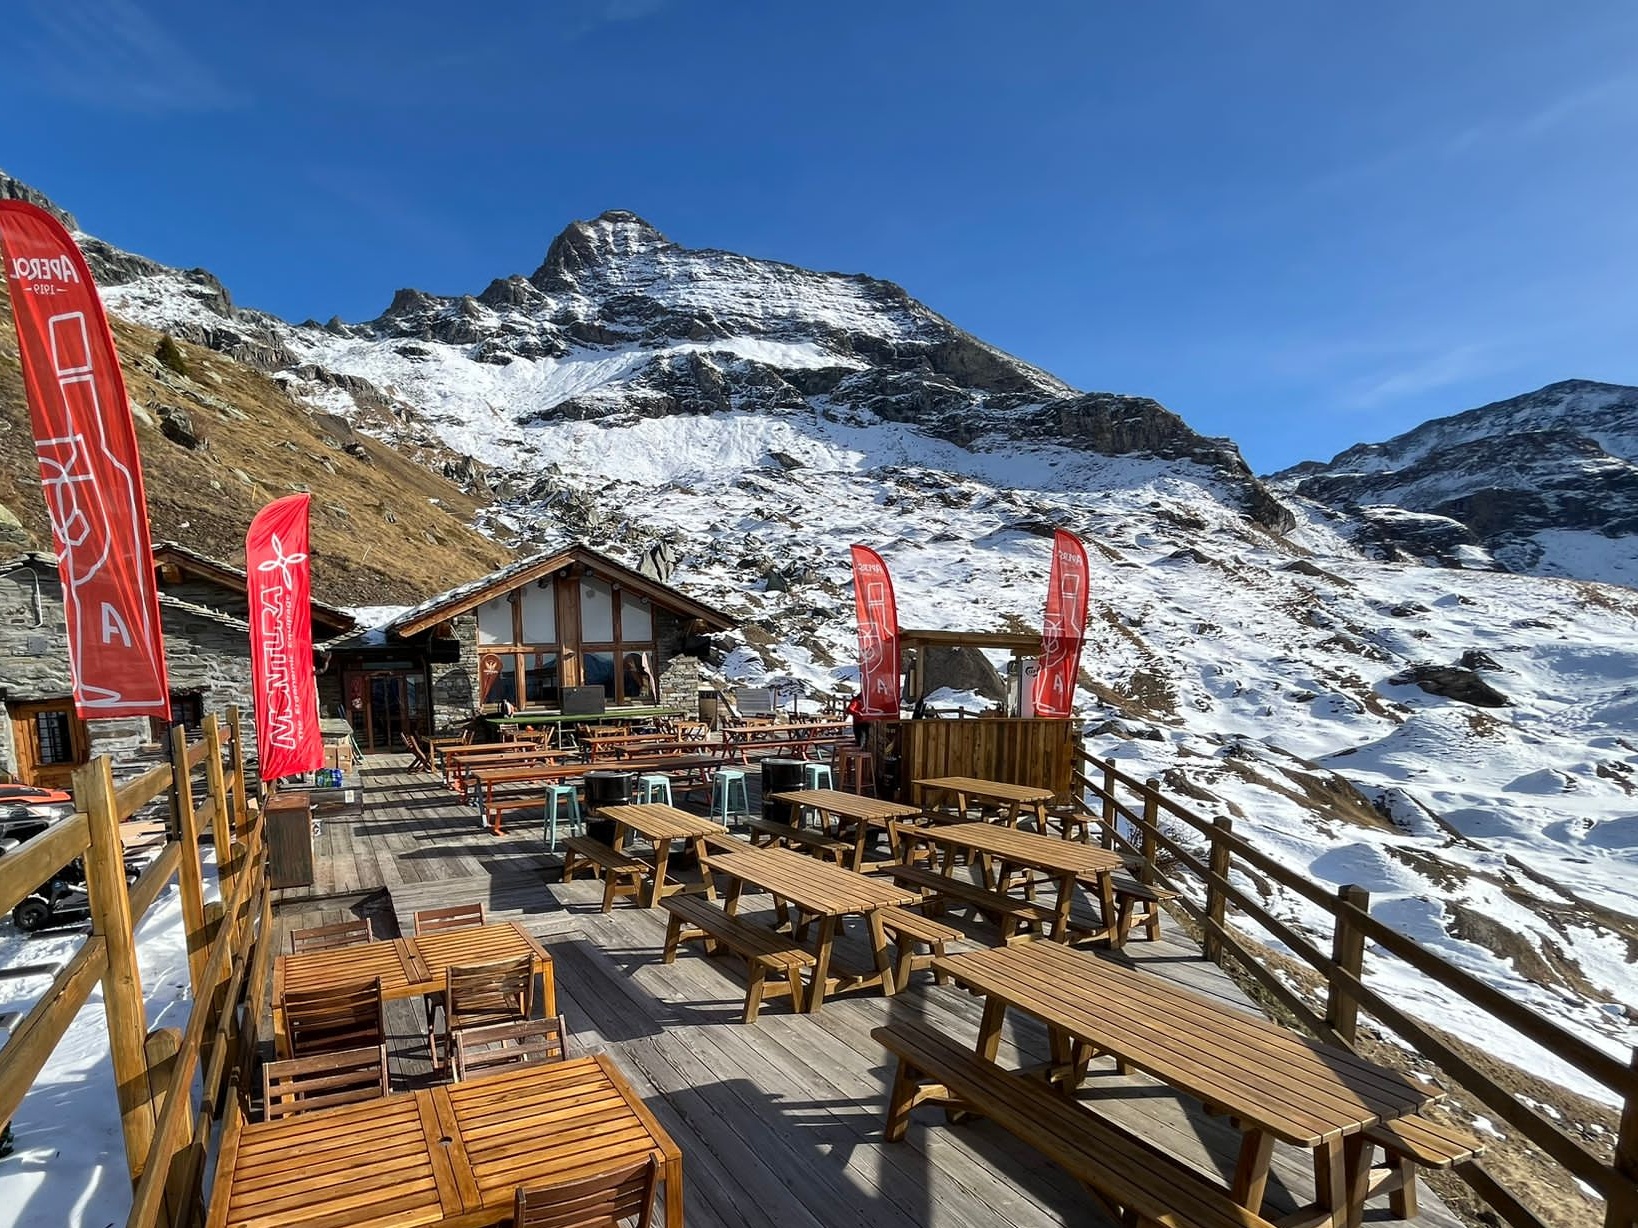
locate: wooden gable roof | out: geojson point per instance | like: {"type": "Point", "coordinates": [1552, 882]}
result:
{"type": "Point", "coordinates": [469, 596]}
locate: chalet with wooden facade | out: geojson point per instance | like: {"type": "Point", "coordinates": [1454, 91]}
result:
{"type": "Point", "coordinates": [203, 609]}
{"type": "Point", "coordinates": [569, 617]}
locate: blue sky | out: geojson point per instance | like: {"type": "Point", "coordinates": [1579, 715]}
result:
{"type": "Point", "coordinates": [1299, 225]}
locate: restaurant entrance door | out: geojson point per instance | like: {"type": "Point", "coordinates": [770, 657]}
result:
{"type": "Point", "coordinates": [383, 705]}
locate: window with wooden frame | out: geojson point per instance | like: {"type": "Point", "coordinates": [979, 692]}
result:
{"type": "Point", "coordinates": [520, 628]}
{"type": "Point", "coordinates": [617, 641]}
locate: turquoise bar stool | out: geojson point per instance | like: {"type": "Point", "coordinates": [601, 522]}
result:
{"type": "Point", "coordinates": [817, 776]}
{"type": "Point", "coordinates": [556, 795]}
{"type": "Point", "coordinates": [723, 784]}
{"type": "Point", "coordinates": [656, 788]}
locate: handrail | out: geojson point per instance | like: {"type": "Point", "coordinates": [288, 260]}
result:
{"type": "Point", "coordinates": [24, 869]}
{"type": "Point", "coordinates": [1348, 992]}
{"type": "Point", "coordinates": [164, 1163]}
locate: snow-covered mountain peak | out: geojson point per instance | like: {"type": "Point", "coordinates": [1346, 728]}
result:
{"type": "Point", "coordinates": [1545, 482]}
{"type": "Point", "coordinates": [610, 241]}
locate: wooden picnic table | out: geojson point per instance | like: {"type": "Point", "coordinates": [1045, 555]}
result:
{"type": "Point", "coordinates": [408, 967]}
{"type": "Point", "coordinates": [1011, 797]}
{"type": "Point", "coordinates": [450, 1155]}
{"type": "Point", "coordinates": [501, 754]}
{"type": "Point", "coordinates": [660, 825]}
{"type": "Point", "coordinates": [1067, 861]}
{"type": "Point", "coordinates": [489, 779]}
{"type": "Point", "coordinates": [839, 809]}
{"type": "Point", "coordinates": [823, 891]}
{"type": "Point", "coordinates": [639, 745]}
{"type": "Point", "coordinates": [1277, 1085]}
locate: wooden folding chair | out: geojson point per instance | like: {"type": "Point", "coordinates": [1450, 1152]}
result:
{"type": "Point", "coordinates": [484, 1049]}
{"type": "Point", "coordinates": [303, 1084]}
{"type": "Point", "coordinates": [421, 754]}
{"type": "Point", "coordinates": [322, 937]}
{"type": "Point", "coordinates": [599, 1201]}
{"type": "Point", "coordinates": [335, 1017]}
{"type": "Point", "coordinates": [437, 921]}
{"type": "Point", "coordinates": [455, 917]}
{"type": "Point", "coordinates": [481, 995]}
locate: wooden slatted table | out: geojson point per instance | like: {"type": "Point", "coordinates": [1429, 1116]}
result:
{"type": "Point", "coordinates": [492, 778]}
{"type": "Point", "coordinates": [1068, 861]}
{"type": "Point", "coordinates": [396, 961]}
{"type": "Point", "coordinates": [483, 944]}
{"type": "Point", "coordinates": [408, 967]}
{"type": "Point", "coordinates": [1010, 796]}
{"type": "Point", "coordinates": [445, 1155]}
{"type": "Point", "coordinates": [540, 1124]}
{"type": "Point", "coordinates": [838, 810]}
{"type": "Point", "coordinates": [824, 891]}
{"type": "Point", "coordinates": [660, 825]}
{"type": "Point", "coordinates": [1277, 1085]}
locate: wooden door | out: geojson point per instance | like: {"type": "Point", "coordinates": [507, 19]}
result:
{"type": "Point", "coordinates": [51, 741]}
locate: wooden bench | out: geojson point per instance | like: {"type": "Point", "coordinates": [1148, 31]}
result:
{"type": "Point", "coordinates": [1409, 1142]}
{"type": "Point", "coordinates": [1133, 1178]}
{"type": "Point", "coordinates": [765, 952]}
{"type": "Point", "coordinates": [503, 805]}
{"type": "Point", "coordinates": [1017, 918]}
{"type": "Point", "coordinates": [815, 842]}
{"type": "Point", "coordinates": [622, 874]}
{"type": "Point", "coordinates": [907, 929]}
{"type": "Point", "coordinates": [1139, 902]}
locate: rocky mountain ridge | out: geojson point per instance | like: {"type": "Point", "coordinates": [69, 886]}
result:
{"type": "Point", "coordinates": [1545, 483]}
{"type": "Point", "coordinates": [1463, 742]}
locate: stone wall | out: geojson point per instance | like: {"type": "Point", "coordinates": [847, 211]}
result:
{"type": "Point", "coordinates": [455, 685]}
{"type": "Point", "coordinates": [679, 672]}
{"type": "Point", "coordinates": [203, 656]}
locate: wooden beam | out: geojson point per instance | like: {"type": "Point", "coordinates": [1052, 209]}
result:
{"type": "Point", "coordinates": [32, 1041]}
{"type": "Point", "coordinates": [189, 874]}
{"type": "Point", "coordinates": [122, 984]}
{"type": "Point", "coordinates": [22, 871]}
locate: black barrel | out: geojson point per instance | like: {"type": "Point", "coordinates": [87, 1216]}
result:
{"type": "Point", "coordinates": [780, 776]}
{"type": "Point", "coordinates": [605, 788]}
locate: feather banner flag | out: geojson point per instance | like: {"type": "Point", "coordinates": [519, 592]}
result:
{"type": "Point", "coordinates": [878, 634]}
{"type": "Point", "coordinates": [89, 469]}
{"type": "Point", "coordinates": [288, 739]}
{"type": "Point", "coordinates": [1063, 628]}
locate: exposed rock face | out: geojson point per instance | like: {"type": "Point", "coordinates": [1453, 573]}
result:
{"type": "Point", "coordinates": [619, 322]}
{"type": "Point", "coordinates": [1511, 479]}
{"type": "Point", "coordinates": [1453, 682]}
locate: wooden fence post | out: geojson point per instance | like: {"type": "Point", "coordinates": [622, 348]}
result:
{"type": "Point", "coordinates": [1151, 827]}
{"type": "Point", "coordinates": [1348, 953]}
{"type": "Point", "coordinates": [1625, 1159]}
{"type": "Point", "coordinates": [188, 873]}
{"type": "Point", "coordinates": [1217, 897]}
{"type": "Point", "coordinates": [221, 822]}
{"type": "Point", "coordinates": [1111, 815]}
{"type": "Point", "coordinates": [122, 984]}
{"type": "Point", "coordinates": [236, 756]}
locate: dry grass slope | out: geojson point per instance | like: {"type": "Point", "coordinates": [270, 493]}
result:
{"type": "Point", "coordinates": [385, 530]}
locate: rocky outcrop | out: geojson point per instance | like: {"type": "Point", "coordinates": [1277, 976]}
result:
{"type": "Point", "coordinates": [1452, 682]}
{"type": "Point", "coordinates": [1501, 479]}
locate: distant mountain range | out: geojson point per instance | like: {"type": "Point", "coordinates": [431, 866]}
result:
{"type": "Point", "coordinates": [1545, 483]}
{"type": "Point", "coordinates": [1462, 740]}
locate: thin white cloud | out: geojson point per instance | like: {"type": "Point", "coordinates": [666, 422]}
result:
{"type": "Point", "coordinates": [1423, 373]}
{"type": "Point", "coordinates": [114, 54]}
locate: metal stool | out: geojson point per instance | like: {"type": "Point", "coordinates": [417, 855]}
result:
{"type": "Point", "coordinates": [654, 788]}
{"type": "Point", "coordinates": [555, 794]}
{"type": "Point", "coordinates": [818, 776]}
{"type": "Point", "coordinates": [722, 792]}
{"type": "Point", "coordinates": [856, 769]}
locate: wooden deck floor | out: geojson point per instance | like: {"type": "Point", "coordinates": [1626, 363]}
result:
{"type": "Point", "coordinates": [779, 1121]}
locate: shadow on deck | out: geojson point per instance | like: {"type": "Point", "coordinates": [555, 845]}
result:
{"type": "Point", "coordinates": [780, 1121]}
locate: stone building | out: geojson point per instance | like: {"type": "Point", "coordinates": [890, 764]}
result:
{"type": "Point", "coordinates": [202, 606]}
{"type": "Point", "coordinates": [570, 617]}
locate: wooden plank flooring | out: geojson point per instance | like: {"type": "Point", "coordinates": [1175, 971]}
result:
{"type": "Point", "coordinates": [779, 1121]}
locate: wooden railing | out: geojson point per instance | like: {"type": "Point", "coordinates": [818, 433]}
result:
{"type": "Point", "coordinates": [165, 1137]}
{"type": "Point", "coordinates": [1134, 814]}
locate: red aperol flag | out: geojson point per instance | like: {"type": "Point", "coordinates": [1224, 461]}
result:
{"type": "Point", "coordinates": [89, 469]}
{"type": "Point", "coordinates": [878, 634]}
{"type": "Point", "coordinates": [1063, 628]}
{"type": "Point", "coordinates": [281, 640]}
